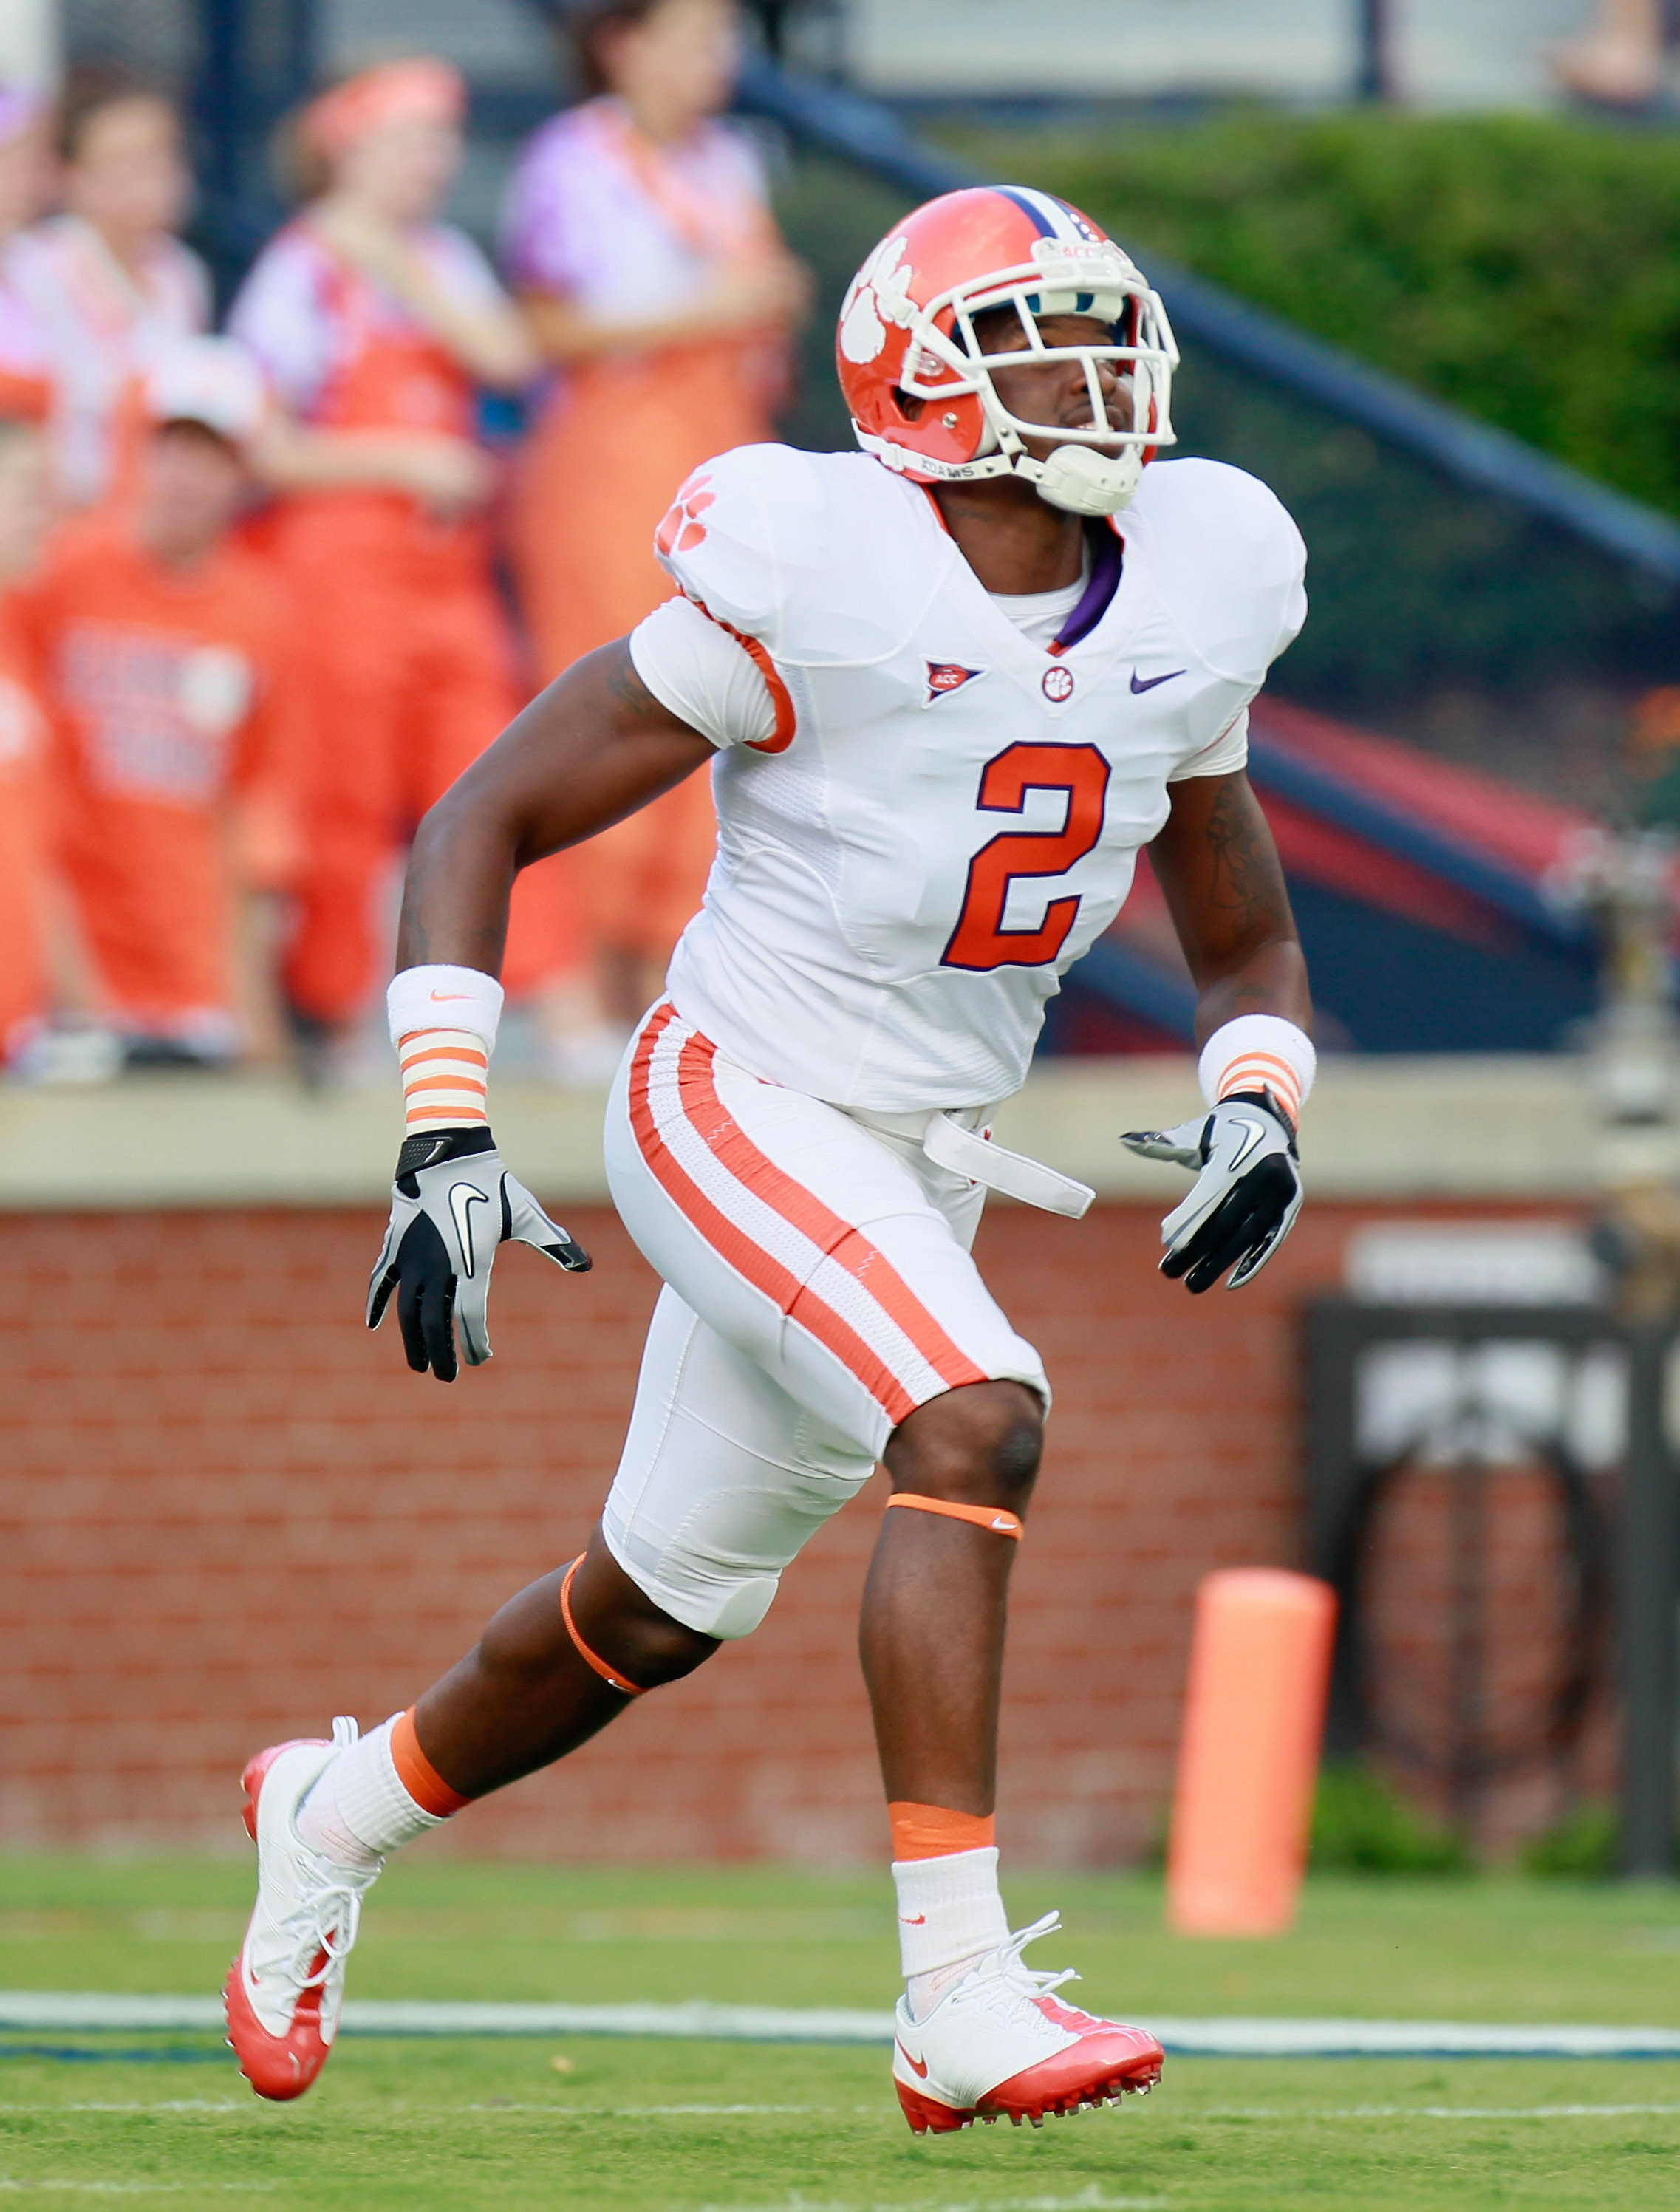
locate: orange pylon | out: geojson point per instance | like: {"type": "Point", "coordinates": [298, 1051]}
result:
{"type": "Point", "coordinates": [1253, 1719]}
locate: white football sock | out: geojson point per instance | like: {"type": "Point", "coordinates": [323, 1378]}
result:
{"type": "Point", "coordinates": [360, 1809]}
{"type": "Point", "coordinates": [950, 1914]}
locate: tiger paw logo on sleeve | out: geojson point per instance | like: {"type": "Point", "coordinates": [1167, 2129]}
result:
{"type": "Point", "coordinates": [683, 529]}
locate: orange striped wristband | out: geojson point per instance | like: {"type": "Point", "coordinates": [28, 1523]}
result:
{"type": "Point", "coordinates": [445, 1078]}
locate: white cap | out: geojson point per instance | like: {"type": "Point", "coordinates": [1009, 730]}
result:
{"type": "Point", "coordinates": [214, 381]}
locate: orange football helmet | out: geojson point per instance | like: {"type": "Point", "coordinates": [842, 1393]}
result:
{"type": "Point", "coordinates": [908, 329]}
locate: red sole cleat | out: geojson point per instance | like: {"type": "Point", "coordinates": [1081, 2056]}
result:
{"type": "Point", "coordinates": [1035, 2096]}
{"type": "Point", "coordinates": [277, 2070]}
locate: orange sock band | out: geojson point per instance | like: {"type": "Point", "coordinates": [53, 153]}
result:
{"type": "Point", "coordinates": [417, 1774]}
{"type": "Point", "coordinates": [589, 1658]}
{"type": "Point", "coordinates": [931, 1832]}
{"type": "Point", "coordinates": [994, 1517]}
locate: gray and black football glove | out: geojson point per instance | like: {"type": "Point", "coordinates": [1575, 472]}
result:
{"type": "Point", "coordinates": [1244, 1202]}
{"type": "Point", "coordinates": [452, 1203]}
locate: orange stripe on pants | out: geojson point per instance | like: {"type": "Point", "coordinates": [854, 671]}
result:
{"type": "Point", "coordinates": [835, 1238]}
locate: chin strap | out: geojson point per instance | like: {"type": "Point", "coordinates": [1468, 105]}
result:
{"type": "Point", "coordinates": [1076, 479]}
{"type": "Point", "coordinates": [1082, 481]}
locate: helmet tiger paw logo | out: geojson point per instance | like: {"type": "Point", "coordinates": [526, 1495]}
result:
{"type": "Point", "coordinates": [683, 529]}
{"type": "Point", "coordinates": [880, 294]}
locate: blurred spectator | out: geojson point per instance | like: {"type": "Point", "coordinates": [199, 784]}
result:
{"type": "Point", "coordinates": [168, 654]}
{"type": "Point", "coordinates": [373, 322]}
{"type": "Point", "coordinates": [638, 233]}
{"type": "Point", "coordinates": [110, 285]}
{"type": "Point", "coordinates": [26, 381]}
{"type": "Point", "coordinates": [1620, 62]}
{"type": "Point", "coordinates": [24, 832]}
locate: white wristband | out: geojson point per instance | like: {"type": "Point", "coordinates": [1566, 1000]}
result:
{"type": "Point", "coordinates": [1258, 1052]}
{"type": "Point", "coordinates": [440, 997]}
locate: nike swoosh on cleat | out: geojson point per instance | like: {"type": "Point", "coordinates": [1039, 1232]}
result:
{"type": "Point", "coordinates": [918, 2066]}
{"type": "Point", "coordinates": [1148, 682]}
{"type": "Point", "coordinates": [450, 998]}
{"type": "Point", "coordinates": [462, 1197]}
{"type": "Point", "coordinates": [920, 1921]}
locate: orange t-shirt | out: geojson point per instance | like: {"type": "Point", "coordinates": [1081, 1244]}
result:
{"type": "Point", "coordinates": [24, 834]}
{"type": "Point", "coordinates": [178, 718]}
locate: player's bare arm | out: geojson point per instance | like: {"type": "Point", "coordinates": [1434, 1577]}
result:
{"type": "Point", "coordinates": [591, 749]}
{"type": "Point", "coordinates": [588, 751]}
{"type": "Point", "coordinates": [1219, 871]}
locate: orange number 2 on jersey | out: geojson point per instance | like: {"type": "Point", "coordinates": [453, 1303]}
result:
{"type": "Point", "coordinates": [980, 941]}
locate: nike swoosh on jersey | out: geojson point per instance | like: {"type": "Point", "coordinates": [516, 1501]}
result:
{"type": "Point", "coordinates": [450, 998]}
{"type": "Point", "coordinates": [918, 2066]}
{"type": "Point", "coordinates": [1256, 1130]}
{"type": "Point", "coordinates": [1148, 682]}
{"type": "Point", "coordinates": [462, 1197]}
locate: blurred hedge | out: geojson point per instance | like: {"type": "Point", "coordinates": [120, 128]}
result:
{"type": "Point", "coordinates": [1526, 269]}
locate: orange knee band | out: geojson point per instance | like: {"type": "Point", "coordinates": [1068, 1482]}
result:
{"type": "Point", "coordinates": [994, 1517]}
{"type": "Point", "coordinates": [417, 1774]}
{"type": "Point", "coordinates": [589, 1658]}
{"type": "Point", "coordinates": [932, 1831]}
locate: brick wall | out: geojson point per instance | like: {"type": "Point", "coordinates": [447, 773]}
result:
{"type": "Point", "coordinates": [227, 1512]}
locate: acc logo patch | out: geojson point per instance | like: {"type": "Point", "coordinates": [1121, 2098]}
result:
{"type": "Point", "coordinates": [682, 529]}
{"type": "Point", "coordinates": [1057, 684]}
{"type": "Point", "coordinates": [943, 676]}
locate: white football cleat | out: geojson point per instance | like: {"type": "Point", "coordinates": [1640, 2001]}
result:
{"type": "Point", "coordinates": [285, 1991]}
{"type": "Point", "coordinates": [1000, 2044]}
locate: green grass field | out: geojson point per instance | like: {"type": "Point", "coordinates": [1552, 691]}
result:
{"type": "Point", "coordinates": [693, 2127]}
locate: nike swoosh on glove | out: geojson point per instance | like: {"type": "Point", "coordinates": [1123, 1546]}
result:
{"type": "Point", "coordinates": [453, 1203]}
{"type": "Point", "coordinates": [1244, 1202]}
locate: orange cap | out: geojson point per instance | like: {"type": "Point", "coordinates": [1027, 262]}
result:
{"type": "Point", "coordinates": [424, 90]}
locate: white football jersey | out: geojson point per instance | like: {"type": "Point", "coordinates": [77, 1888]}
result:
{"type": "Point", "coordinates": [945, 814]}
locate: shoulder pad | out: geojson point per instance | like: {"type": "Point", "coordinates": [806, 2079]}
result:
{"type": "Point", "coordinates": [1231, 562]}
{"type": "Point", "coordinates": [809, 553]}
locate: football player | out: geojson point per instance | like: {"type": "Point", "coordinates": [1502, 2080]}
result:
{"type": "Point", "coordinates": [946, 688]}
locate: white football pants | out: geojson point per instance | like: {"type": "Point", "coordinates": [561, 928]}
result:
{"type": "Point", "coordinates": [819, 1287]}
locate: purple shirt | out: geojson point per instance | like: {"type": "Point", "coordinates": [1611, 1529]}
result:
{"type": "Point", "coordinates": [623, 227]}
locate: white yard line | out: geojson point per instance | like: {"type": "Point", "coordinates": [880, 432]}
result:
{"type": "Point", "coordinates": [87, 2012]}
{"type": "Point", "coordinates": [1244, 2112]}
{"type": "Point", "coordinates": [1091, 2199]}
{"type": "Point", "coordinates": [1181, 2113]}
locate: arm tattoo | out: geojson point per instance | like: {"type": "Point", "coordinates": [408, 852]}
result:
{"type": "Point", "coordinates": [1245, 878]}
{"type": "Point", "coordinates": [626, 689]}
